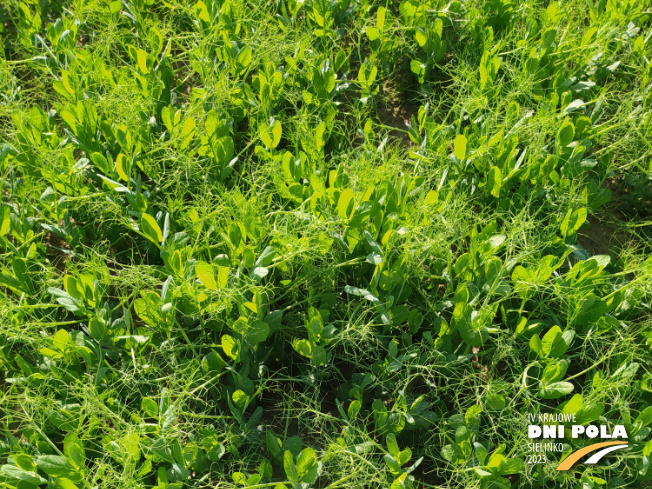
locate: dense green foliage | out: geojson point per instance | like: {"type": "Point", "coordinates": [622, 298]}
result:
{"type": "Point", "coordinates": [322, 243]}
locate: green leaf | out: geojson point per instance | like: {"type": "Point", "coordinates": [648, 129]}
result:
{"type": "Point", "coordinates": [345, 203]}
{"type": "Point", "coordinates": [306, 461]}
{"type": "Point", "coordinates": [495, 402]}
{"type": "Point", "coordinates": [74, 450]}
{"type": "Point", "coordinates": [354, 409]}
{"type": "Point", "coordinates": [257, 332]}
{"type": "Point", "coordinates": [56, 466]}
{"type": "Point", "coordinates": [235, 235]}
{"type": "Point", "coordinates": [15, 473]}
{"type": "Point", "coordinates": [5, 219]}
{"type": "Point", "coordinates": [372, 33]}
{"type": "Point", "coordinates": [549, 339]}
{"type": "Point", "coordinates": [96, 328]}
{"type": "Point", "coordinates": [230, 347]}
{"type": "Point", "coordinates": [142, 61]}
{"type": "Point", "coordinates": [566, 133]}
{"type": "Point", "coordinates": [290, 468]}
{"type": "Point", "coordinates": [100, 162]}
{"type": "Point", "coordinates": [380, 17]}
{"type": "Point", "coordinates": [494, 181]}
{"type": "Point", "coordinates": [273, 445]}
{"type": "Point", "coordinates": [392, 464]}
{"type": "Point", "coordinates": [404, 457]}
{"type": "Point", "coordinates": [239, 399]}
{"type": "Point", "coordinates": [589, 412]}
{"type": "Point", "coordinates": [122, 166]}
{"type": "Point", "coordinates": [319, 356]}
{"type": "Point", "coordinates": [420, 37]}
{"type": "Point", "coordinates": [431, 197]}
{"type": "Point", "coordinates": [459, 146]}
{"type": "Point", "coordinates": [510, 466]}
{"type": "Point", "coordinates": [645, 417]}
{"type": "Point", "coordinates": [554, 372]}
{"type": "Point", "coordinates": [151, 228]}
{"type": "Point", "coordinates": [556, 390]}
{"type": "Point", "coordinates": [302, 347]}
{"type": "Point", "coordinates": [536, 346]}
{"type": "Point", "coordinates": [561, 343]}
{"type": "Point", "coordinates": [149, 407]}
{"type": "Point", "coordinates": [270, 135]}
{"type": "Point", "coordinates": [392, 445]}
{"type": "Point", "coordinates": [205, 274]}
{"type": "Point", "coordinates": [244, 58]}
{"type": "Point", "coordinates": [572, 221]}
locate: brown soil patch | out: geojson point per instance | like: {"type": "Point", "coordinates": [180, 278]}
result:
{"type": "Point", "coordinates": [396, 113]}
{"type": "Point", "coordinates": [602, 236]}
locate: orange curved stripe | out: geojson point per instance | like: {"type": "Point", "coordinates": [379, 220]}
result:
{"type": "Point", "coordinates": [575, 456]}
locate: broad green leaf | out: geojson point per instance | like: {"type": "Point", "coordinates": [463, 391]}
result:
{"type": "Point", "coordinates": [15, 473]}
{"type": "Point", "coordinates": [257, 332]}
{"type": "Point", "coordinates": [566, 133]}
{"type": "Point", "coordinates": [222, 277]}
{"type": "Point", "coordinates": [74, 450]}
{"type": "Point", "coordinates": [244, 58]}
{"type": "Point", "coordinates": [345, 203]}
{"type": "Point", "coordinates": [122, 166]}
{"type": "Point", "coordinates": [431, 197]}
{"type": "Point", "coordinates": [554, 372]}
{"type": "Point", "coordinates": [549, 338]}
{"type": "Point", "coordinates": [494, 181]}
{"type": "Point", "coordinates": [319, 356]}
{"type": "Point", "coordinates": [187, 132]}
{"type": "Point", "coordinates": [149, 407]}
{"type": "Point", "coordinates": [205, 274]}
{"type": "Point", "coordinates": [510, 466]}
{"type": "Point", "coordinates": [589, 412]}
{"type": "Point", "coordinates": [354, 409]}
{"type": "Point", "coordinates": [645, 417]}
{"type": "Point", "coordinates": [290, 467]}
{"type": "Point", "coordinates": [561, 343]}
{"type": "Point", "coordinates": [96, 328]}
{"type": "Point", "coordinates": [201, 11]}
{"type": "Point", "coordinates": [574, 404]}
{"type": "Point", "coordinates": [5, 219]}
{"type": "Point", "coordinates": [372, 33]}
{"type": "Point", "coordinates": [239, 399]}
{"type": "Point", "coordinates": [65, 79]}
{"type": "Point", "coordinates": [270, 135]}
{"type": "Point", "coordinates": [101, 163]}
{"type": "Point", "coordinates": [420, 37]}
{"type": "Point", "coordinates": [151, 228]}
{"type": "Point", "coordinates": [392, 464]}
{"type": "Point", "coordinates": [495, 402]}
{"type": "Point", "coordinates": [273, 445]}
{"type": "Point", "coordinates": [25, 462]}
{"type": "Point", "coordinates": [536, 345]}
{"type": "Point", "coordinates": [230, 347]}
{"type": "Point", "coordinates": [303, 347]}
{"type": "Point", "coordinates": [142, 61]}
{"type": "Point", "coordinates": [556, 390]}
{"type": "Point", "coordinates": [380, 18]}
{"type": "Point", "coordinates": [572, 221]}
{"type": "Point", "coordinates": [404, 456]}
{"type": "Point", "coordinates": [235, 235]}
{"type": "Point", "coordinates": [392, 445]}
{"type": "Point", "coordinates": [56, 466]}
{"type": "Point", "coordinates": [459, 146]}
{"type": "Point", "coordinates": [306, 460]}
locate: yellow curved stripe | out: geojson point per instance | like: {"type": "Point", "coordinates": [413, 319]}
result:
{"type": "Point", "coordinates": [575, 456]}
